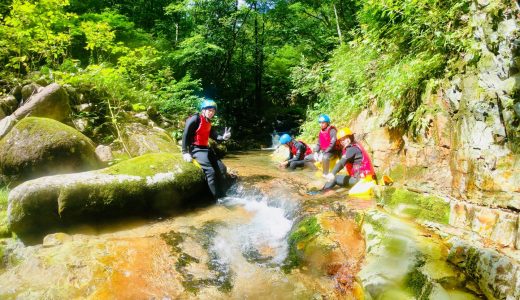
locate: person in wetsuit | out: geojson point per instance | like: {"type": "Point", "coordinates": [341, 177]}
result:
{"type": "Point", "coordinates": [354, 159]}
{"type": "Point", "coordinates": [327, 146]}
{"type": "Point", "coordinates": [195, 145]}
{"type": "Point", "coordinates": [298, 150]}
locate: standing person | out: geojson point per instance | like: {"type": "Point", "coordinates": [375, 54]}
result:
{"type": "Point", "coordinates": [355, 160]}
{"type": "Point", "coordinates": [298, 150]}
{"type": "Point", "coordinates": [195, 144]}
{"type": "Point", "coordinates": [327, 146]}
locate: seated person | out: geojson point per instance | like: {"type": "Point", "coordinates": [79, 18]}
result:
{"type": "Point", "coordinates": [327, 146]}
{"type": "Point", "coordinates": [355, 160]}
{"type": "Point", "coordinates": [297, 152]}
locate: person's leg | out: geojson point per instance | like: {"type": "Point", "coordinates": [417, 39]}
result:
{"type": "Point", "coordinates": [352, 181]}
{"type": "Point", "coordinates": [325, 162]}
{"type": "Point", "coordinates": [296, 164]}
{"type": "Point", "coordinates": [310, 158]}
{"type": "Point", "coordinates": [220, 174]}
{"type": "Point", "coordinates": [202, 157]}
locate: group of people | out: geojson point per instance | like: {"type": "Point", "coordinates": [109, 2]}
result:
{"type": "Point", "coordinates": [331, 144]}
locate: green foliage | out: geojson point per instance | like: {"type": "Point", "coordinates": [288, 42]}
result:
{"type": "Point", "coordinates": [397, 49]}
{"type": "Point", "coordinates": [100, 37]}
{"type": "Point", "coordinates": [35, 32]}
{"type": "Point", "coordinates": [180, 97]}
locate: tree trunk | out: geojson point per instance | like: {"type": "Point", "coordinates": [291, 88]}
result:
{"type": "Point", "coordinates": [337, 25]}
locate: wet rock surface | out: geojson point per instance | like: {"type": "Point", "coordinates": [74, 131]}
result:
{"type": "Point", "coordinates": [154, 182]}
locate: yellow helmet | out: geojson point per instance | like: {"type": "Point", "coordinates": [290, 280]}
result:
{"type": "Point", "coordinates": [343, 133]}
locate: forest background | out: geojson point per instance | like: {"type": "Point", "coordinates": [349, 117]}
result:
{"type": "Point", "coordinates": [271, 65]}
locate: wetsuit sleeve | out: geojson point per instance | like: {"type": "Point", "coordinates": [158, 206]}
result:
{"type": "Point", "coordinates": [317, 148]}
{"type": "Point", "coordinates": [349, 156]}
{"type": "Point", "coordinates": [299, 149]}
{"type": "Point", "coordinates": [214, 135]}
{"type": "Point", "coordinates": [189, 132]}
{"type": "Point", "coordinates": [332, 144]}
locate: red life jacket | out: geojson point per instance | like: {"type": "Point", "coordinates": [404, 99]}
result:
{"type": "Point", "coordinates": [202, 133]}
{"type": "Point", "coordinates": [324, 138]}
{"type": "Point", "coordinates": [362, 169]}
{"type": "Point", "coordinates": [294, 150]}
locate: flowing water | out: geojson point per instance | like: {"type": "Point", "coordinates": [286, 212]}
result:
{"type": "Point", "coordinates": [234, 249]}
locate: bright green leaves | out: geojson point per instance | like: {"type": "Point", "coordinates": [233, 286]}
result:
{"type": "Point", "coordinates": [100, 38]}
{"type": "Point", "coordinates": [35, 31]}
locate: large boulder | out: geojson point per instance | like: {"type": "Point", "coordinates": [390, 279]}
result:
{"type": "Point", "coordinates": [140, 139]}
{"type": "Point", "coordinates": [51, 102]}
{"type": "Point", "coordinates": [38, 146]}
{"type": "Point", "coordinates": [153, 182]}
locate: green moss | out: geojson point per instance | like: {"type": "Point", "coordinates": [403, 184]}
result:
{"type": "Point", "coordinates": [417, 283]}
{"type": "Point", "coordinates": [429, 208]}
{"type": "Point", "coordinates": [146, 165]}
{"type": "Point", "coordinates": [44, 147]}
{"type": "Point", "coordinates": [84, 200]}
{"type": "Point", "coordinates": [306, 231]}
{"type": "Point", "coordinates": [400, 173]}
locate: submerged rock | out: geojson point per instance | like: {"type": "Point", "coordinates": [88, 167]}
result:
{"type": "Point", "coordinates": [154, 182]}
{"type": "Point", "coordinates": [37, 147]}
{"type": "Point", "coordinates": [404, 262]}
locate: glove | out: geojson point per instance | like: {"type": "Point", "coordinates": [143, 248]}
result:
{"type": "Point", "coordinates": [187, 157]}
{"type": "Point", "coordinates": [330, 176]}
{"type": "Point", "coordinates": [227, 133]}
{"type": "Point", "coordinates": [319, 157]}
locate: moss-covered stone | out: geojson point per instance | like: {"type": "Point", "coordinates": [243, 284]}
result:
{"type": "Point", "coordinates": [37, 147]}
{"type": "Point", "coordinates": [157, 182]}
{"type": "Point", "coordinates": [306, 230]}
{"type": "Point", "coordinates": [422, 207]}
{"type": "Point", "coordinates": [141, 140]}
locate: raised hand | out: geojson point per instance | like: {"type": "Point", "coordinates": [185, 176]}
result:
{"type": "Point", "coordinates": [227, 133]}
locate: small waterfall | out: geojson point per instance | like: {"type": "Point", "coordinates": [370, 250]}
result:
{"type": "Point", "coordinates": [263, 239]}
{"type": "Point", "coordinates": [275, 141]}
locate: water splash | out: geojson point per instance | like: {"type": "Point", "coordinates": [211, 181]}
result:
{"type": "Point", "coordinates": [263, 239]}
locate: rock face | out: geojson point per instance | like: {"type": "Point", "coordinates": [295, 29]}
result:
{"type": "Point", "coordinates": [153, 182]}
{"type": "Point", "coordinates": [141, 139]}
{"type": "Point", "coordinates": [496, 274]}
{"type": "Point", "coordinates": [38, 146]}
{"type": "Point", "coordinates": [51, 102]}
{"type": "Point", "coordinates": [465, 141]}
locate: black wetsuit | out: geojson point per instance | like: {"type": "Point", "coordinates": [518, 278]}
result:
{"type": "Point", "coordinates": [298, 159]}
{"type": "Point", "coordinates": [213, 168]}
{"type": "Point", "coordinates": [354, 156]}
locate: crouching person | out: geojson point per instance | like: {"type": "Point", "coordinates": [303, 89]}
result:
{"type": "Point", "coordinates": [297, 152]}
{"type": "Point", "coordinates": [354, 159]}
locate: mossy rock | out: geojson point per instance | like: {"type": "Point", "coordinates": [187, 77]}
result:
{"type": "Point", "coordinates": [158, 182]}
{"type": "Point", "coordinates": [50, 102]}
{"type": "Point", "coordinates": [423, 207]}
{"type": "Point", "coordinates": [37, 147]}
{"type": "Point", "coordinates": [141, 139]}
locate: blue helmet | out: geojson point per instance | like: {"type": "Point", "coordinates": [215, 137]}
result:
{"type": "Point", "coordinates": [208, 103]}
{"type": "Point", "coordinates": [323, 118]}
{"type": "Point", "coordinates": [284, 139]}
